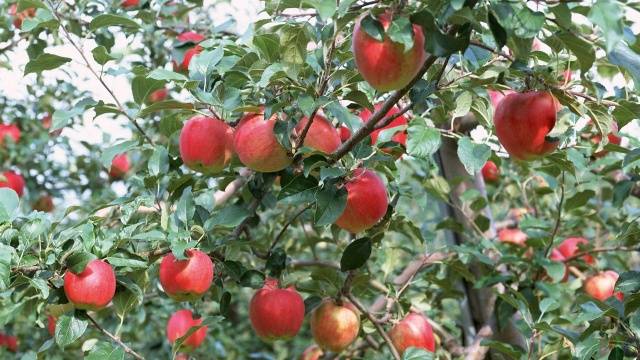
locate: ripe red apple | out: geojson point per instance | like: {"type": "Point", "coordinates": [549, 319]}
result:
{"type": "Point", "coordinates": [93, 288]}
{"type": "Point", "coordinates": [345, 133]}
{"type": "Point", "coordinates": [19, 17]}
{"type": "Point", "coordinates": [8, 341]}
{"type": "Point", "coordinates": [158, 95]}
{"type": "Point", "coordinates": [612, 137]}
{"type": "Point", "coordinates": [206, 144]}
{"type": "Point", "coordinates": [385, 64]}
{"type": "Point", "coordinates": [275, 313]}
{"type": "Point", "coordinates": [400, 137]}
{"type": "Point", "coordinates": [178, 326]}
{"type": "Point", "coordinates": [366, 201]}
{"type": "Point", "coordinates": [569, 247]}
{"type": "Point", "coordinates": [256, 144]}
{"type": "Point", "coordinates": [186, 280]}
{"type": "Point", "coordinates": [601, 286]}
{"type": "Point", "coordinates": [130, 3]}
{"type": "Point", "coordinates": [523, 121]}
{"type": "Point", "coordinates": [512, 236]}
{"type": "Point", "coordinates": [190, 39]}
{"type": "Point", "coordinates": [496, 96]}
{"type": "Point", "coordinates": [313, 352]}
{"type": "Point", "coordinates": [334, 327]}
{"type": "Point", "coordinates": [120, 166]}
{"type": "Point", "coordinates": [322, 136]}
{"type": "Point", "coordinates": [51, 325]}
{"type": "Point", "coordinates": [44, 203]}
{"type": "Point", "coordinates": [12, 180]}
{"type": "Point", "coordinates": [413, 331]}
{"type": "Point", "coordinates": [9, 131]}
{"type": "Point", "coordinates": [490, 172]}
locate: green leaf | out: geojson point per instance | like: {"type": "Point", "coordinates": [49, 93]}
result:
{"type": "Point", "coordinates": [203, 64]}
{"type": "Point", "coordinates": [330, 203]}
{"type": "Point", "coordinates": [118, 261]}
{"type": "Point", "coordinates": [41, 285]}
{"type": "Point", "coordinates": [463, 104]}
{"type": "Point", "coordinates": [45, 62]}
{"type": "Point", "coordinates": [9, 203]}
{"type": "Point", "coordinates": [252, 278]}
{"type": "Point", "coordinates": [326, 8]}
{"type": "Point", "coordinates": [629, 282]}
{"type": "Point", "coordinates": [499, 34]}
{"type": "Point", "coordinates": [167, 75]}
{"type": "Point", "coordinates": [473, 156]}
{"type": "Point", "coordinates": [608, 15]}
{"type": "Point", "coordinates": [356, 254]}
{"type": "Point", "coordinates": [6, 253]}
{"type": "Point", "coordinates": [43, 19]}
{"type": "Point", "coordinates": [413, 353]}
{"type": "Point", "coordinates": [69, 329]}
{"type": "Point", "coordinates": [623, 56]}
{"type": "Point", "coordinates": [61, 118]}
{"type": "Point", "coordinates": [159, 161]}
{"type": "Point", "coordinates": [101, 55]}
{"type": "Point", "coordinates": [185, 208]}
{"type": "Point", "coordinates": [105, 20]}
{"type": "Point", "coordinates": [165, 105]}
{"type": "Point", "coordinates": [578, 200]}
{"type": "Point", "coordinates": [228, 217]}
{"type": "Point", "coordinates": [105, 351]}
{"type": "Point", "coordinates": [401, 31]}
{"type": "Point", "coordinates": [372, 27]}
{"type": "Point", "coordinates": [584, 51]}
{"type": "Point", "coordinates": [293, 42]}
{"type": "Point", "coordinates": [268, 45]}
{"type": "Point", "coordinates": [79, 260]}
{"type": "Point", "coordinates": [423, 141]}
{"type": "Point", "coordinates": [109, 153]}
{"type": "Point", "coordinates": [142, 86]}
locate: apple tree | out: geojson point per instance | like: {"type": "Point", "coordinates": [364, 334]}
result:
{"type": "Point", "coordinates": [341, 179]}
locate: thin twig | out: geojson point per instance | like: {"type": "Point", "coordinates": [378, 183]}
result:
{"type": "Point", "coordinates": [489, 48]}
{"type": "Point", "coordinates": [124, 346]}
{"type": "Point", "coordinates": [379, 329]}
{"type": "Point", "coordinates": [558, 218]}
{"type": "Point", "coordinates": [599, 250]}
{"type": "Point", "coordinates": [286, 226]}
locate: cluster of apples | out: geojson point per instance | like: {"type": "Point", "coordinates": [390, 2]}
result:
{"type": "Point", "coordinates": [278, 313]}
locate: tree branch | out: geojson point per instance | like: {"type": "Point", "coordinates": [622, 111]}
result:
{"type": "Point", "coordinates": [286, 226]}
{"type": "Point", "coordinates": [379, 329]}
{"type": "Point", "coordinates": [115, 339]}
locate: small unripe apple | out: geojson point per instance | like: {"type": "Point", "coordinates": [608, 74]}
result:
{"type": "Point", "coordinates": [345, 133]}
{"type": "Point", "coordinates": [256, 144]}
{"type": "Point", "coordinates": [120, 166]}
{"type": "Point", "coordinates": [93, 288]}
{"type": "Point", "coordinates": [322, 135]}
{"type": "Point", "coordinates": [334, 327]}
{"type": "Point", "coordinates": [523, 122]}
{"type": "Point", "coordinates": [186, 280]}
{"type": "Point", "coordinates": [178, 326]}
{"type": "Point", "coordinates": [11, 131]}
{"type": "Point", "coordinates": [413, 331]}
{"type": "Point", "coordinates": [19, 17]}
{"type": "Point", "coordinates": [366, 201]}
{"type": "Point", "coordinates": [158, 95]}
{"type": "Point", "coordinates": [601, 286]}
{"type": "Point", "coordinates": [191, 40]}
{"type": "Point", "coordinates": [512, 236]}
{"type": "Point", "coordinates": [206, 144]}
{"type": "Point", "coordinates": [51, 325]}
{"type": "Point", "coordinates": [313, 352]}
{"type": "Point", "coordinates": [130, 3]}
{"type": "Point", "coordinates": [12, 180]}
{"type": "Point", "coordinates": [490, 172]}
{"type": "Point", "coordinates": [385, 64]}
{"type": "Point", "coordinates": [400, 137]}
{"type": "Point", "coordinates": [275, 313]}
{"type": "Point", "coordinates": [44, 203]}
{"type": "Point", "coordinates": [612, 137]}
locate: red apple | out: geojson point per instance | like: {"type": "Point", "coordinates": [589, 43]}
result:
{"type": "Point", "coordinates": [120, 166]}
{"type": "Point", "coordinates": [8, 341]}
{"type": "Point", "coordinates": [186, 280]}
{"type": "Point", "coordinates": [44, 203]}
{"type": "Point", "coordinates": [512, 236]}
{"type": "Point", "coordinates": [496, 96]}
{"type": "Point", "coordinates": [334, 327]}
{"type": "Point", "coordinates": [612, 137]}
{"type": "Point", "coordinates": [322, 136]}
{"type": "Point", "coordinates": [413, 331]}
{"type": "Point", "coordinates": [523, 121]}
{"type": "Point", "coordinates": [51, 325]}
{"type": "Point", "coordinates": [12, 180]}
{"type": "Point", "coordinates": [366, 201]}
{"type": "Point", "coordinates": [601, 286]}
{"type": "Point", "coordinates": [130, 3]}
{"type": "Point", "coordinates": [188, 38]}
{"type": "Point", "coordinates": [256, 144]}
{"type": "Point", "coordinates": [19, 17]}
{"type": "Point", "coordinates": [570, 246]}
{"type": "Point", "coordinates": [345, 133]}
{"type": "Point", "coordinates": [9, 131]}
{"type": "Point", "coordinates": [158, 95]}
{"type": "Point", "coordinates": [275, 313]}
{"type": "Point", "coordinates": [313, 352]}
{"type": "Point", "coordinates": [399, 137]}
{"type": "Point", "coordinates": [206, 144]}
{"type": "Point", "coordinates": [385, 64]}
{"type": "Point", "coordinates": [93, 288]}
{"type": "Point", "coordinates": [178, 326]}
{"type": "Point", "coordinates": [490, 172]}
